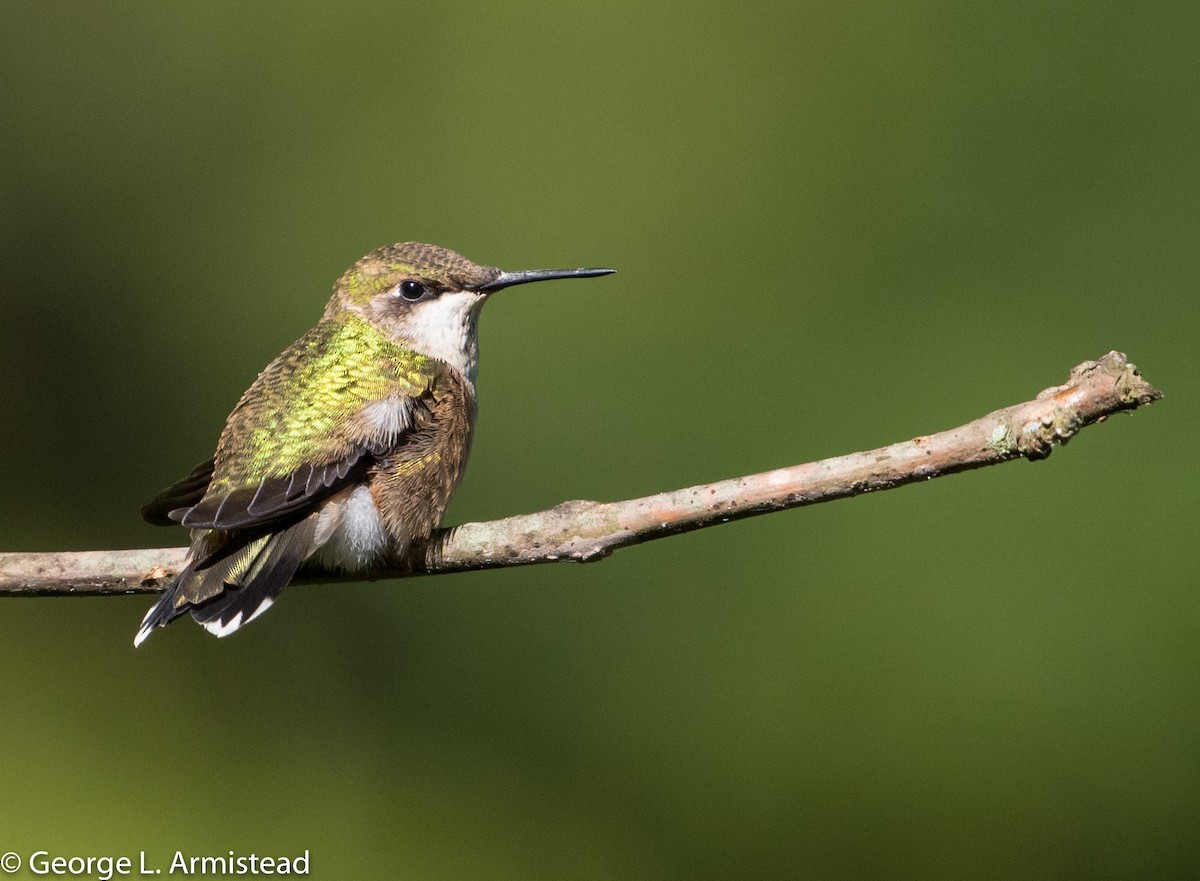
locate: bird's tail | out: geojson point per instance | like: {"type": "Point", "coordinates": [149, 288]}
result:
{"type": "Point", "coordinates": [227, 589]}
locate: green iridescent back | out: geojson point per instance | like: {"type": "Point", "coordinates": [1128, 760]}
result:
{"type": "Point", "coordinates": [297, 411]}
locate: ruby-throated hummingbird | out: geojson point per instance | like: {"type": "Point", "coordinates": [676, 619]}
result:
{"type": "Point", "coordinates": [348, 447]}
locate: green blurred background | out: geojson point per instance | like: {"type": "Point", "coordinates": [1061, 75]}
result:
{"type": "Point", "coordinates": [837, 226]}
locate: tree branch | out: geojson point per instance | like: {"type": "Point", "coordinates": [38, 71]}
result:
{"type": "Point", "coordinates": [584, 531]}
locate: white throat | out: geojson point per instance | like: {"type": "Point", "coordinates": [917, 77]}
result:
{"type": "Point", "coordinates": [444, 328]}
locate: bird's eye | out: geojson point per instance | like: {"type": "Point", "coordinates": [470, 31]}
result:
{"type": "Point", "coordinates": [412, 290]}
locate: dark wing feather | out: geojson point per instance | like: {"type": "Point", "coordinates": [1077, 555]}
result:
{"type": "Point", "coordinates": [184, 494]}
{"type": "Point", "coordinates": [277, 498]}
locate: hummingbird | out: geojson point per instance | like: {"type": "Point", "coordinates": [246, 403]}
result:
{"type": "Point", "coordinates": [347, 448]}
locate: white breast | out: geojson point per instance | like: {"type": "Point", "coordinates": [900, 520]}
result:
{"type": "Point", "coordinates": [349, 531]}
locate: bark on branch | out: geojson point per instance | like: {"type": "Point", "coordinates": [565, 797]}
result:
{"type": "Point", "coordinates": [584, 531]}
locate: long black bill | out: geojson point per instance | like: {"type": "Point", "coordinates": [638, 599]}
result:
{"type": "Point", "coordinates": [508, 279]}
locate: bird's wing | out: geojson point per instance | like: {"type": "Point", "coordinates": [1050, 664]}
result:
{"type": "Point", "coordinates": [269, 500]}
{"type": "Point", "coordinates": [273, 499]}
{"type": "Point", "coordinates": [182, 494]}
{"type": "Point", "coordinates": [311, 424]}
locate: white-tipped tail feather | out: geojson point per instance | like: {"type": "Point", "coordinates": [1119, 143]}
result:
{"type": "Point", "coordinates": [145, 630]}
{"type": "Point", "coordinates": [218, 629]}
{"type": "Point", "coordinates": [233, 586]}
{"type": "Point", "coordinates": [232, 591]}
